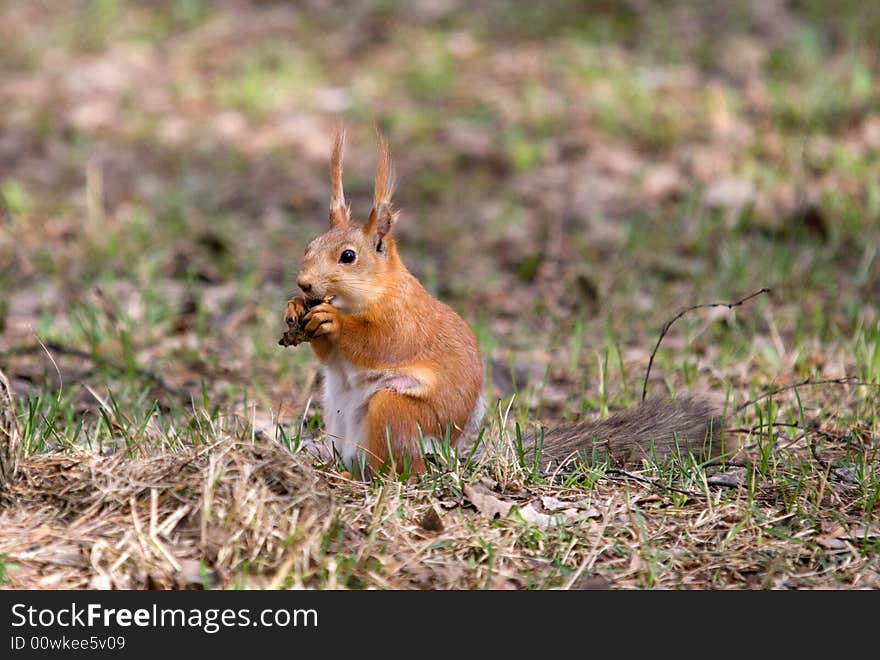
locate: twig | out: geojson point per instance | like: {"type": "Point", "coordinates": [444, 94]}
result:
{"type": "Point", "coordinates": [668, 325]}
{"type": "Point", "coordinates": [815, 453]}
{"type": "Point", "coordinates": [806, 431]}
{"type": "Point", "coordinates": [843, 380]}
{"type": "Point", "coordinates": [650, 482]}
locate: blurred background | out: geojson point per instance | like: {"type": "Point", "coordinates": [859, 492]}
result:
{"type": "Point", "coordinates": [569, 174]}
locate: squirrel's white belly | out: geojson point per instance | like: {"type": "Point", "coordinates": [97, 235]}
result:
{"type": "Point", "coordinates": [347, 391]}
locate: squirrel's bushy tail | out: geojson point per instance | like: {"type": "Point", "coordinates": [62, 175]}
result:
{"type": "Point", "coordinates": [654, 429]}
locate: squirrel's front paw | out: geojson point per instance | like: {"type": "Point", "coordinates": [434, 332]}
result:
{"type": "Point", "coordinates": [296, 309]}
{"type": "Point", "coordinates": [321, 321]}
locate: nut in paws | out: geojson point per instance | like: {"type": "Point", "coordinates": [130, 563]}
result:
{"type": "Point", "coordinates": [294, 317]}
{"type": "Point", "coordinates": [321, 321]}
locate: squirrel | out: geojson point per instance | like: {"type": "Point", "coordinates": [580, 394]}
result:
{"type": "Point", "coordinates": [403, 370]}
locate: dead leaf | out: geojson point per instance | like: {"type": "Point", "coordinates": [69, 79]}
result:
{"type": "Point", "coordinates": [731, 479]}
{"type": "Point", "coordinates": [487, 504]}
{"type": "Point", "coordinates": [863, 532]}
{"type": "Point", "coordinates": [431, 521]}
{"type": "Point", "coordinates": [495, 508]}
{"type": "Point", "coordinates": [832, 528]}
{"type": "Point", "coordinates": [831, 542]}
{"type": "Point", "coordinates": [576, 515]}
{"type": "Point", "coordinates": [488, 482]}
{"type": "Point", "coordinates": [533, 517]}
{"type": "Point", "coordinates": [570, 512]}
{"type": "Point", "coordinates": [553, 504]}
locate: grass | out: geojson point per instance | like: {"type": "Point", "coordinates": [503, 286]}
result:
{"type": "Point", "coordinates": [567, 182]}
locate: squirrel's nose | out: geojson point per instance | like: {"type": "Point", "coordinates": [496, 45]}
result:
{"type": "Point", "coordinates": [305, 286]}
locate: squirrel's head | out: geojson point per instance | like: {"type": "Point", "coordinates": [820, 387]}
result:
{"type": "Point", "coordinates": [351, 263]}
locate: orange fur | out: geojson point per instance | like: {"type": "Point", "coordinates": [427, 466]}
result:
{"type": "Point", "coordinates": [339, 211]}
{"type": "Point", "coordinates": [381, 322]}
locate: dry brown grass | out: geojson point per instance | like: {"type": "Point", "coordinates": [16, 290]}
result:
{"type": "Point", "coordinates": [112, 522]}
{"type": "Point", "coordinates": [237, 514]}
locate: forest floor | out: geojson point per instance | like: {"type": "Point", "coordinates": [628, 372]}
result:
{"type": "Point", "coordinates": [567, 180]}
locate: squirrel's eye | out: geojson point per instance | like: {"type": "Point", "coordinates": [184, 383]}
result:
{"type": "Point", "coordinates": [347, 257]}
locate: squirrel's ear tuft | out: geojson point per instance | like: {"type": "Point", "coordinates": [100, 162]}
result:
{"type": "Point", "coordinates": [383, 215]}
{"type": "Point", "coordinates": [340, 213]}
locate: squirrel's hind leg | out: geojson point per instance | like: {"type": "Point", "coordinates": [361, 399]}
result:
{"type": "Point", "coordinates": [394, 425]}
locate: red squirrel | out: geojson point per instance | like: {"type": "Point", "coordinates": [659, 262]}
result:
{"type": "Point", "coordinates": [402, 370]}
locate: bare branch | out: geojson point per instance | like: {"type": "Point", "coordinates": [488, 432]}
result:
{"type": "Point", "coordinates": [808, 382]}
{"type": "Point", "coordinates": [669, 323]}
